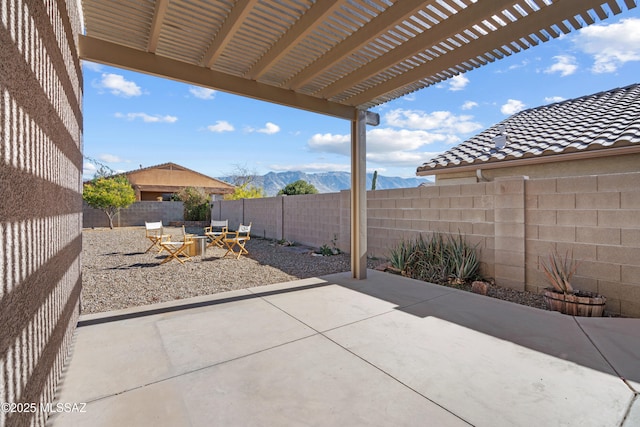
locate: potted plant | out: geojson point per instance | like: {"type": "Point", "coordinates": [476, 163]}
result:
{"type": "Point", "coordinates": [562, 296]}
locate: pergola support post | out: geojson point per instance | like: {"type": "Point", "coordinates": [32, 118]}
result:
{"type": "Point", "coordinates": [359, 196]}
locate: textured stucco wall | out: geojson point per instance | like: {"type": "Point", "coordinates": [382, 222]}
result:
{"type": "Point", "coordinates": [41, 208]}
{"type": "Point", "coordinates": [597, 166]}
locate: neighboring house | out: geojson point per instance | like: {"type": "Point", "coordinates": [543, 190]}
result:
{"type": "Point", "coordinates": [166, 179]}
{"type": "Point", "coordinates": [591, 135]}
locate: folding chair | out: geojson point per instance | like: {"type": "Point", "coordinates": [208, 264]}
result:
{"type": "Point", "coordinates": [216, 231]}
{"type": "Point", "coordinates": [154, 232]}
{"type": "Point", "coordinates": [178, 249]}
{"type": "Point", "coordinates": [237, 238]}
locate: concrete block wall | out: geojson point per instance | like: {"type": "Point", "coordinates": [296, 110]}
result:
{"type": "Point", "coordinates": [312, 219]}
{"type": "Point", "coordinates": [265, 216]}
{"type": "Point", "coordinates": [134, 215]}
{"type": "Point", "coordinates": [403, 214]}
{"type": "Point", "coordinates": [597, 218]}
{"type": "Point", "coordinates": [41, 209]}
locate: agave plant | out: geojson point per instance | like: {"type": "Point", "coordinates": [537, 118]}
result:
{"type": "Point", "coordinates": [559, 270]}
{"type": "Point", "coordinates": [463, 258]}
{"type": "Point", "coordinates": [400, 253]}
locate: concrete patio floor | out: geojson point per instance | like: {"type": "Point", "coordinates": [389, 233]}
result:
{"type": "Point", "coordinates": [333, 351]}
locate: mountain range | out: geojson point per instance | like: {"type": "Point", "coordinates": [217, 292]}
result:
{"type": "Point", "coordinates": [327, 182]}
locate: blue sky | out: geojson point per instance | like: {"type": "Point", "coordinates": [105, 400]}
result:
{"type": "Point", "coordinates": [133, 120]}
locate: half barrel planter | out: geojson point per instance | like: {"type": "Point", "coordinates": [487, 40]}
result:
{"type": "Point", "coordinates": [578, 303]}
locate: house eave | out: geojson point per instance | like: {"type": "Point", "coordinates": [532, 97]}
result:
{"type": "Point", "coordinates": [500, 164]}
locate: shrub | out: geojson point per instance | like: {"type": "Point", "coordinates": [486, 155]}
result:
{"type": "Point", "coordinates": [196, 204]}
{"type": "Point", "coordinates": [436, 259]}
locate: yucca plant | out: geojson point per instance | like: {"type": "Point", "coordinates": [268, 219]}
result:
{"type": "Point", "coordinates": [559, 270]}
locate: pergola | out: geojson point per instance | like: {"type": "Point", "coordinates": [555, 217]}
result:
{"type": "Point", "coordinates": [334, 57]}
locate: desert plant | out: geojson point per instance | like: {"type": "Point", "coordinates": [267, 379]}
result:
{"type": "Point", "coordinates": [559, 270]}
{"type": "Point", "coordinates": [436, 259]}
{"type": "Point", "coordinates": [429, 260]}
{"type": "Point", "coordinates": [399, 254]}
{"type": "Point", "coordinates": [464, 262]}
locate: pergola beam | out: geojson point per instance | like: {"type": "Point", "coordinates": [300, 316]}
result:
{"type": "Point", "coordinates": [448, 28]}
{"type": "Point", "coordinates": [524, 27]}
{"type": "Point", "coordinates": [375, 28]}
{"type": "Point", "coordinates": [96, 50]}
{"type": "Point", "coordinates": [307, 23]}
{"type": "Point", "coordinates": [235, 19]}
{"type": "Point", "coordinates": [156, 24]}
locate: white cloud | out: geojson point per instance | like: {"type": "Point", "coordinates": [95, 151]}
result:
{"type": "Point", "coordinates": [468, 105]}
{"type": "Point", "coordinates": [512, 106]}
{"type": "Point", "coordinates": [387, 140]}
{"type": "Point", "coordinates": [221, 126]}
{"type": "Point", "coordinates": [269, 128]}
{"type": "Point", "coordinates": [109, 158]}
{"type": "Point", "coordinates": [439, 121]}
{"type": "Point", "coordinates": [521, 64]}
{"type": "Point", "coordinates": [92, 66]}
{"type": "Point", "coordinates": [147, 118]}
{"type": "Point", "coordinates": [384, 144]}
{"type": "Point", "coordinates": [313, 167]}
{"type": "Point", "coordinates": [612, 45]}
{"type": "Point", "coordinates": [565, 65]}
{"type": "Point", "coordinates": [552, 99]}
{"type": "Point", "coordinates": [119, 86]}
{"type": "Point", "coordinates": [402, 158]}
{"type": "Point", "coordinates": [329, 143]}
{"type": "Point", "coordinates": [202, 92]}
{"type": "Point", "coordinates": [458, 82]}
{"type": "Point", "coordinates": [88, 170]}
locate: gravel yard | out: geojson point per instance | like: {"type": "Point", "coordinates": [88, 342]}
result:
{"type": "Point", "coordinates": [118, 274]}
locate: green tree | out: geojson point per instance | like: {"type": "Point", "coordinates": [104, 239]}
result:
{"type": "Point", "coordinates": [298, 187]}
{"type": "Point", "coordinates": [246, 191]}
{"type": "Point", "coordinates": [374, 181]}
{"type": "Point", "coordinates": [195, 202]}
{"type": "Point", "coordinates": [244, 181]}
{"type": "Point", "coordinates": [109, 194]}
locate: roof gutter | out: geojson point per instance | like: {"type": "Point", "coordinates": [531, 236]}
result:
{"type": "Point", "coordinates": [591, 154]}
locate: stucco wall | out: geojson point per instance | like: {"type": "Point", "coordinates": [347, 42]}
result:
{"type": "Point", "coordinates": [596, 166]}
{"type": "Point", "coordinates": [41, 209]}
{"type": "Point", "coordinates": [514, 222]}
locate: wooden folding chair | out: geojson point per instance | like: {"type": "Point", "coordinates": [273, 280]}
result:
{"type": "Point", "coordinates": [233, 239]}
{"type": "Point", "coordinates": [178, 249]}
{"type": "Point", "coordinates": [155, 233]}
{"type": "Point", "coordinates": [216, 232]}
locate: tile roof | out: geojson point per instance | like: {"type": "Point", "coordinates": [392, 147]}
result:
{"type": "Point", "coordinates": [600, 121]}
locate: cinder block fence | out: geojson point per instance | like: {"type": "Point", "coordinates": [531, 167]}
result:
{"type": "Point", "coordinates": [515, 222]}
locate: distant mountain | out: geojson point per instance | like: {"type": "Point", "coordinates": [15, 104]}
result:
{"type": "Point", "coordinates": [328, 182]}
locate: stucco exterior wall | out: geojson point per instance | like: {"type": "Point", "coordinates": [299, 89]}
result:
{"type": "Point", "coordinates": [596, 166]}
{"type": "Point", "coordinates": [41, 209]}
{"type": "Point", "coordinates": [514, 221]}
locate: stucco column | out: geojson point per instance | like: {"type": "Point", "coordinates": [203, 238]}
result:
{"type": "Point", "coordinates": [358, 196]}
